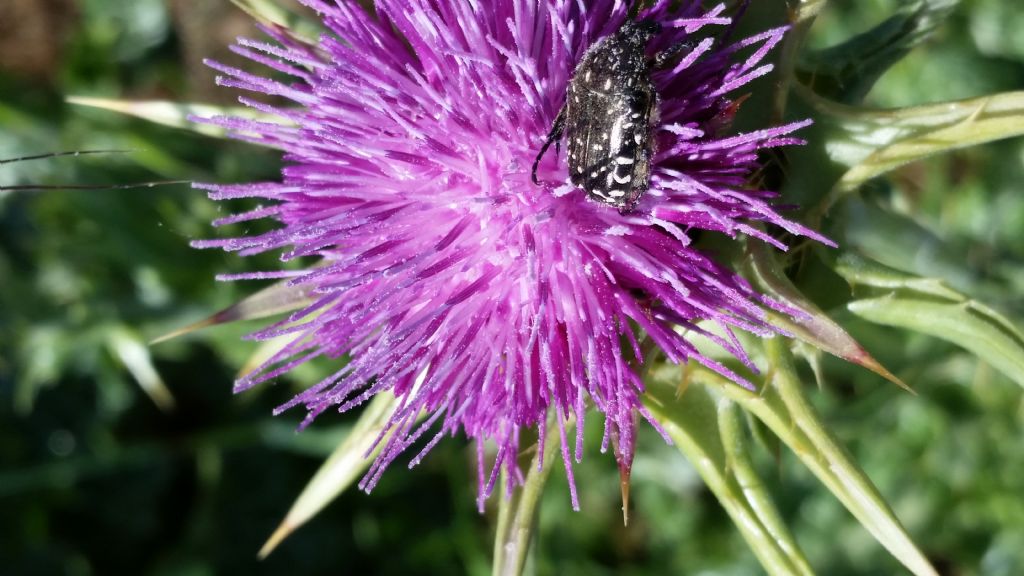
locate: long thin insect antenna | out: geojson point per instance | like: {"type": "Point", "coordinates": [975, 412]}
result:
{"type": "Point", "coordinates": [43, 187]}
{"type": "Point", "coordinates": [65, 153]}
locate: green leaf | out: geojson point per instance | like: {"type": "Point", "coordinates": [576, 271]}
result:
{"type": "Point", "coordinates": [705, 427]}
{"type": "Point", "coordinates": [817, 329]}
{"type": "Point", "coordinates": [848, 71]}
{"type": "Point", "coordinates": [860, 271]}
{"type": "Point", "coordinates": [517, 514]}
{"type": "Point", "coordinates": [967, 323]}
{"type": "Point", "coordinates": [929, 306]}
{"type": "Point", "coordinates": [795, 421]}
{"type": "Point", "coordinates": [349, 460]}
{"type": "Point", "coordinates": [734, 439]}
{"type": "Point", "coordinates": [784, 409]}
{"type": "Point", "coordinates": [875, 231]}
{"type": "Point", "coordinates": [175, 114]}
{"type": "Point", "coordinates": [874, 142]}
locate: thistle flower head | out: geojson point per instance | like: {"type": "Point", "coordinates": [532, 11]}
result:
{"type": "Point", "coordinates": [448, 278]}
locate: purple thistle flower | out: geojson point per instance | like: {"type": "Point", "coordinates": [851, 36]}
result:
{"type": "Point", "coordinates": [482, 300]}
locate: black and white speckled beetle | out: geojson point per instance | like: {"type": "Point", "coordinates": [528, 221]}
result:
{"type": "Point", "coordinates": [608, 112]}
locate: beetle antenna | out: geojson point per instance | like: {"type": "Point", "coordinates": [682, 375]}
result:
{"type": "Point", "coordinates": [65, 153]}
{"type": "Point", "coordinates": [553, 137]}
{"type": "Point", "coordinates": [42, 187]}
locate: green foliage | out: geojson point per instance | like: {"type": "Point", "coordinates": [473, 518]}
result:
{"type": "Point", "coordinates": [118, 457]}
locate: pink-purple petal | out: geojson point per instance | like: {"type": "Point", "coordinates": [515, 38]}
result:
{"type": "Point", "coordinates": [485, 303]}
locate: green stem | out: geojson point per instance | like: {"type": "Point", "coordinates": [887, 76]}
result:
{"type": "Point", "coordinates": [517, 513]}
{"type": "Point", "coordinates": [803, 17]}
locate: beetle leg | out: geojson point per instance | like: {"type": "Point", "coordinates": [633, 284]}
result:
{"type": "Point", "coordinates": [662, 59]}
{"type": "Point", "coordinates": [554, 136]}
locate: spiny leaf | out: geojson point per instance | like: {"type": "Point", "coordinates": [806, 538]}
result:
{"type": "Point", "coordinates": [816, 328]}
{"type": "Point", "coordinates": [968, 324]}
{"type": "Point", "coordinates": [860, 271]}
{"type": "Point", "coordinates": [274, 299]}
{"type": "Point", "coordinates": [737, 452]}
{"type": "Point", "coordinates": [176, 114]}
{"type": "Point", "coordinates": [830, 462]}
{"type": "Point", "coordinates": [351, 459]}
{"type": "Point", "coordinates": [784, 409]}
{"type": "Point", "coordinates": [874, 142]}
{"type": "Point", "coordinates": [849, 70]}
{"type": "Point", "coordinates": [693, 420]}
{"type": "Point", "coordinates": [929, 306]}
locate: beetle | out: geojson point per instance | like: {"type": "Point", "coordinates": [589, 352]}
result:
{"type": "Point", "coordinates": [609, 109]}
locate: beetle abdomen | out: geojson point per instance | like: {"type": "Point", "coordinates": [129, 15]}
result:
{"type": "Point", "coordinates": [607, 118]}
{"type": "Point", "coordinates": [609, 144]}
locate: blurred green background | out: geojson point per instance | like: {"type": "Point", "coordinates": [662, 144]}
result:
{"type": "Point", "coordinates": [100, 474]}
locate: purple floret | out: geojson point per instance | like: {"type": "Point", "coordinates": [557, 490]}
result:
{"type": "Point", "coordinates": [448, 278]}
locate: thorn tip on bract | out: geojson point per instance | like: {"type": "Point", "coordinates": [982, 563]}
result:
{"type": "Point", "coordinates": [624, 474]}
{"type": "Point", "coordinates": [212, 320]}
{"type": "Point", "coordinates": [282, 532]}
